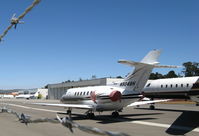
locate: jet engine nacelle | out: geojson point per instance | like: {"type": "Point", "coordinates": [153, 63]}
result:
{"type": "Point", "coordinates": [115, 96]}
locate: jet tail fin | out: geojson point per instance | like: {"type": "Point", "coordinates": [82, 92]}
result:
{"type": "Point", "coordinates": [151, 57]}
{"type": "Point", "coordinates": [136, 80]}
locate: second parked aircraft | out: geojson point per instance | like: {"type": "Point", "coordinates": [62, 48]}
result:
{"type": "Point", "coordinates": [173, 88]}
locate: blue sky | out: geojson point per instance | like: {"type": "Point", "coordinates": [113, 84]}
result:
{"type": "Point", "coordinates": [71, 39]}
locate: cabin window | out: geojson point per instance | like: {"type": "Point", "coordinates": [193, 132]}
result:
{"type": "Point", "coordinates": [148, 85]}
{"type": "Point", "coordinates": [77, 93]}
{"type": "Point", "coordinates": [87, 92]}
{"type": "Point", "coordinates": [171, 85]}
{"type": "Point", "coordinates": [176, 85]}
{"type": "Point", "coordinates": [161, 86]}
{"type": "Point", "coordinates": [166, 86]}
{"type": "Point", "coordinates": [187, 85]}
{"type": "Point", "coordinates": [196, 85]}
{"type": "Point", "coordinates": [80, 93]}
{"type": "Point", "coordinates": [84, 93]}
{"type": "Point", "coordinates": [181, 85]}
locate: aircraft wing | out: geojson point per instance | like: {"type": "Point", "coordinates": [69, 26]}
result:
{"type": "Point", "coordinates": [147, 102]}
{"type": "Point", "coordinates": [78, 106]}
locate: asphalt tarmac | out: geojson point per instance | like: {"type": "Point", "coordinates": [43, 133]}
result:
{"type": "Point", "coordinates": [165, 120]}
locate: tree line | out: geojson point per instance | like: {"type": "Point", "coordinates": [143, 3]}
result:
{"type": "Point", "coordinates": [189, 69]}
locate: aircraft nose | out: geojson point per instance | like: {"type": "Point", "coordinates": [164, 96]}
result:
{"type": "Point", "coordinates": [62, 98]}
{"type": "Point", "coordinates": [115, 96]}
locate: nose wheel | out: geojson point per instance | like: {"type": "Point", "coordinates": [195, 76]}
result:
{"type": "Point", "coordinates": [152, 105]}
{"type": "Point", "coordinates": [69, 112]}
{"type": "Point", "coordinates": [115, 114]}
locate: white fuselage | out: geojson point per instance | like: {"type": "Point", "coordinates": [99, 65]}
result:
{"type": "Point", "coordinates": [102, 98]}
{"type": "Point", "coordinates": [174, 88]}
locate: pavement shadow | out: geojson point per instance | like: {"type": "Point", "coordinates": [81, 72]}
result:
{"type": "Point", "coordinates": [106, 119]}
{"type": "Point", "coordinates": [185, 123]}
{"type": "Point", "coordinates": [160, 109]}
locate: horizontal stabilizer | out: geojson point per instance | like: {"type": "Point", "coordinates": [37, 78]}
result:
{"type": "Point", "coordinates": [166, 66]}
{"type": "Point", "coordinates": [154, 64]}
{"type": "Point", "coordinates": [133, 63]}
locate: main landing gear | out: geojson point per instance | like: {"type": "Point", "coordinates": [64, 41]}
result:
{"type": "Point", "coordinates": [152, 107]}
{"type": "Point", "coordinates": [115, 114]}
{"type": "Point", "coordinates": [90, 114]}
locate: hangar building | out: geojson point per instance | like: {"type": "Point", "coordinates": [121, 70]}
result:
{"type": "Point", "coordinates": [55, 91]}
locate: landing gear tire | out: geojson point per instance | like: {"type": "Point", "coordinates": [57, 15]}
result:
{"type": "Point", "coordinates": [115, 114]}
{"type": "Point", "coordinates": [69, 113]}
{"type": "Point", "coordinates": [152, 107]}
{"type": "Point", "coordinates": [90, 115]}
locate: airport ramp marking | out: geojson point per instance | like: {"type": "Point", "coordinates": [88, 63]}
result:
{"type": "Point", "coordinates": [164, 125]}
{"type": "Point", "coordinates": [26, 107]}
{"type": "Point", "coordinates": [133, 122]}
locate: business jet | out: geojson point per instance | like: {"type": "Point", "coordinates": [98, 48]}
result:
{"type": "Point", "coordinates": [25, 96]}
{"type": "Point", "coordinates": [173, 88]}
{"type": "Point", "coordinates": [112, 98]}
